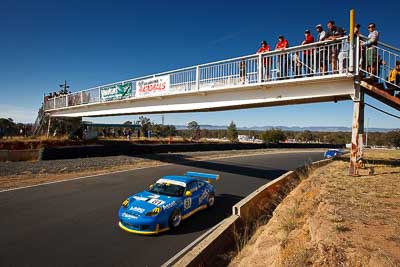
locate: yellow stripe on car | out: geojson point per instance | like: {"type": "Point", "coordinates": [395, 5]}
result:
{"type": "Point", "coordinates": [194, 211]}
{"type": "Point", "coordinates": [142, 232]}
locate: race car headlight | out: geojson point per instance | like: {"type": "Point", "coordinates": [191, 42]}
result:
{"type": "Point", "coordinates": [154, 212]}
{"type": "Point", "coordinates": [125, 203]}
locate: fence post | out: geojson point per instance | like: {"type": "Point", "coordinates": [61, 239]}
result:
{"type": "Point", "coordinates": [197, 78]}
{"type": "Point", "coordinates": [315, 60]}
{"type": "Point", "coordinates": [357, 57]}
{"type": "Point", "coordinates": [351, 42]}
{"type": "Point", "coordinates": [81, 97]}
{"type": "Point", "coordinates": [259, 68]}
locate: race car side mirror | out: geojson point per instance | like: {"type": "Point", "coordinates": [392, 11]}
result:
{"type": "Point", "coordinates": [188, 193]}
{"type": "Point", "coordinates": [150, 186]}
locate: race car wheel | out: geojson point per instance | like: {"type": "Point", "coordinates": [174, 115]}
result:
{"type": "Point", "coordinates": [175, 219]}
{"type": "Point", "coordinates": [211, 200]}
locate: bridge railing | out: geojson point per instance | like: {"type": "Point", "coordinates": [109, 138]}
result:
{"type": "Point", "coordinates": [316, 59]}
{"type": "Point", "coordinates": [377, 61]}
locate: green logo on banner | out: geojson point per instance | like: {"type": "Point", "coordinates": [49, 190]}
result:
{"type": "Point", "coordinates": [118, 91]}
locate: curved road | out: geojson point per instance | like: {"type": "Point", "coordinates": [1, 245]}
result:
{"type": "Point", "coordinates": [74, 223]}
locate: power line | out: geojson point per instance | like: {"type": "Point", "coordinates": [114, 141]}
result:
{"type": "Point", "coordinates": [387, 113]}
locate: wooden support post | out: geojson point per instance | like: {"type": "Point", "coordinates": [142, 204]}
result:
{"type": "Point", "coordinates": [48, 127]}
{"type": "Point", "coordinates": [357, 135]}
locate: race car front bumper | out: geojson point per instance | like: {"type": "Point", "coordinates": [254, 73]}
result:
{"type": "Point", "coordinates": [142, 229]}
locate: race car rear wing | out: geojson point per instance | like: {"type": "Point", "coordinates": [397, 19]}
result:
{"type": "Point", "coordinates": [200, 175]}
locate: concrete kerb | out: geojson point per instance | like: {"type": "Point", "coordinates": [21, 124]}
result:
{"type": "Point", "coordinates": [262, 201]}
{"type": "Point", "coordinates": [216, 243]}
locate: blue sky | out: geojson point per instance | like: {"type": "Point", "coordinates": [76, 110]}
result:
{"type": "Point", "coordinates": [92, 43]}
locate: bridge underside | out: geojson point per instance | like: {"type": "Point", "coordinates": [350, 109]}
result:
{"type": "Point", "coordinates": [277, 93]}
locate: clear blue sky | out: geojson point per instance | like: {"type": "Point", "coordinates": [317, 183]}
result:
{"type": "Point", "coordinates": [95, 42]}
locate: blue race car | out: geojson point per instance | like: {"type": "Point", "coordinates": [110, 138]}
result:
{"type": "Point", "coordinates": [167, 202]}
{"type": "Point", "coordinates": [331, 153]}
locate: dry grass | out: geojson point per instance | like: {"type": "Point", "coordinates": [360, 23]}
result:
{"type": "Point", "coordinates": [332, 219]}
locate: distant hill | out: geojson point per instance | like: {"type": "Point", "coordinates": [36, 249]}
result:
{"type": "Point", "coordinates": [292, 129]}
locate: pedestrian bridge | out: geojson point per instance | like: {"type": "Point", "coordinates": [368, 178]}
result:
{"type": "Point", "coordinates": [302, 74]}
{"type": "Point", "coordinates": [296, 75]}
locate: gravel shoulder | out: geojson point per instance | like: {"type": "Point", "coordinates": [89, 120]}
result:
{"type": "Point", "coordinates": [19, 174]}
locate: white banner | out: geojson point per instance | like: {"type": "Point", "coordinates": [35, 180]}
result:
{"type": "Point", "coordinates": [152, 86]}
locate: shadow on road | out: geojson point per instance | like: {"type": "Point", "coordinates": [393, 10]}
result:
{"type": "Point", "coordinates": [206, 219]}
{"type": "Point", "coordinates": [218, 166]}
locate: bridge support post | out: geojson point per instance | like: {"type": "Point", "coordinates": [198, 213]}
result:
{"type": "Point", "coordinates": [357, 134]}
{"type": "Point", "coordinates": [49, 127]}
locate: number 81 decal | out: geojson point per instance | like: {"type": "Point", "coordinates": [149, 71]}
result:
{"type": "Point", "coordinates": [187, 203]}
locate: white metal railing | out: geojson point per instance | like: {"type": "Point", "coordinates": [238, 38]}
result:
{"type": "Point", "coordinates": [316, 59]}
{"type": "Point", "coordinates": [376, 62]}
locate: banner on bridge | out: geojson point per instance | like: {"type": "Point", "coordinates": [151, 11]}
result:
{"type": "Point", "coordinates": [153, 86]}
{"type": "Point", "coordinates": [118, 91]}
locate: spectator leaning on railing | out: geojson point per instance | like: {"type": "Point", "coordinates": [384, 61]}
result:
{"type": "Point", "coordinates": [265, 48]}
{"type": "Point", "coordinates": [307, 55]}
{"type": "Point", "coordinates": [333, 33]}
{"type": "Point", "coordinates": [371, 51]}
{"type": "Point", "coordinates": [322, 59]}
{"type": "Point", "coordinates": [282, 59]}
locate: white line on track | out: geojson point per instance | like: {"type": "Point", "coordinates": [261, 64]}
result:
{"type": "Point", "coordinates": [161, 165]}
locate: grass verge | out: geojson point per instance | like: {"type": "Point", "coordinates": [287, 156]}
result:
{"type": "Point", "coordinates": [332, 219]}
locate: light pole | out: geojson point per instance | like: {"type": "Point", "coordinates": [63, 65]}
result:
{"type": "Point", "coordinates": [65, 87]}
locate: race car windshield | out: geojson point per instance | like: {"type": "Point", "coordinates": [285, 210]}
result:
{"type": "Point", "coordinates": [171, 190]}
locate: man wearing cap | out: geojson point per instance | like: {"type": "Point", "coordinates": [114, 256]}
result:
{"type": "Point", "coordinates": [266, 62]}
{"type": "Point", "coordinates": [322, 59]}
{"type": "Point", "coordinates": [282, 59]}
{"type": "Point", "coordinates": [321, 33]}
{"type": "Point", "coordinates": [307, 54]}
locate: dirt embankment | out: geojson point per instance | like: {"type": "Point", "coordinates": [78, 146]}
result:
{"type": "Point", "coordinates": [332, 219]}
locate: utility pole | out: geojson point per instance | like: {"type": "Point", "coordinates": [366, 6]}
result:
{"type": "Point", "coordinates": [162, 119]}
{"type": "Point", "coordinates": [65, 87]}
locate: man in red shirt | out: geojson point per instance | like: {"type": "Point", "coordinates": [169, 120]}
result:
{"type": "Point", "coordinates": [308, 54]}
{"type": "Point", "coordinates": [266, 62]}
{"type": "Point", "coordinates": [283, 58]}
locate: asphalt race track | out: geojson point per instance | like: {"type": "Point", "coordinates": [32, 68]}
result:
{"type": "Point", "coordinates": [74, 223]}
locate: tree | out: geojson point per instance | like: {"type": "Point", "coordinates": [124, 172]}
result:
{"type": "Point", "coordinates": [145, 124]}
{"type": "Point", "coordinates": [273, 136]}
{"type": "Point", "coordinates": [306, 136]}
{"type": "Point", "coordinates": [161, 130]}
{"type": "Point", "coordinates": [127, 123]}
{"type": "Point", "coordinates": [232, 132]}
{"type": "Point", "coordinates": [194, 129]}
{"type": "Point", "coordinates": [393, 138]}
